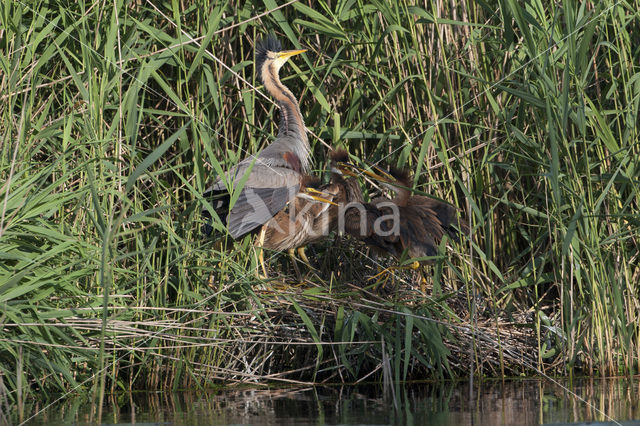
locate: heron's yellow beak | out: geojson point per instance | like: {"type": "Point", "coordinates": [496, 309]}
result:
{"type": "Point", "coordinates": [349, 169]}
{"type": "Point", "coordinates": [286, 54]}
{"type": "Point", "coordinates": [322, 200]}
{"type": "Point", "coordinates": [319, 196]}
{"type": "Point", "coordinates": [352, 170]}
{"type": "Point", "coordinates": [380, 174]}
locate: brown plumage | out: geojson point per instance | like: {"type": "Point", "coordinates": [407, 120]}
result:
{"type": "Point", "coordinates": [352, 215]}
{"type": "Point", "coordinates": [340, 191]}
{"type": "Point", "coordinates": [306, 220]}
{"type": "Point", "coordinates": [421, 221]}
{"type": "Point", "coordinates": [412, 223]}
{"type": "Point", "coordinates": [408, 223]}
{"type": "Point", "coordinates": [293, 226]}
{"type": "Point", "coordinates": [310, 220]}
{"type": "Point", "coordinates": [344, 186]}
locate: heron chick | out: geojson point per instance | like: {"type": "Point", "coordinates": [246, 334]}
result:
{"type": "Point", "coordinates": [419, 222]}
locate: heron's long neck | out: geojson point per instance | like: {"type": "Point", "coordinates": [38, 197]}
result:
{"type": "Point", "coordinates": [291, 122]}
{"type": "Point", "coordinates": [402, 196]}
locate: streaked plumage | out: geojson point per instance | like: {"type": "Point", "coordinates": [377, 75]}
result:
{"type": "Point", "coordinates": [292, 227]}
{"type": "Point", "coordinates": [307, 220]}
{"type": "Point", "coordinates": [344, 189]}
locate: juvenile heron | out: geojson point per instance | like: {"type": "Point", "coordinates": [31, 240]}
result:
{"type": "Point", "coordinates": [414, 223]}
{"type": "Point", "coordinates": [407, 223]}
{"type": "Point", "coordinates": [273, 177]}
{"type": "Point", "coordinates": [344, 188]}
{"type": "Point", "coordinates": [438, 217]}
{"type": "Point", "coordinates": [297, 224]}
{"type": "Point", "coordinates": [311, 218]}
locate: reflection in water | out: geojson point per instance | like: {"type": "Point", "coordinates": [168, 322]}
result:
{"type": "Point", "coordinates": [516, 402]}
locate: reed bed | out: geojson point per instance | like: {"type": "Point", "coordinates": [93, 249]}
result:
{"type": "Point", "coordinates": [116, 116]}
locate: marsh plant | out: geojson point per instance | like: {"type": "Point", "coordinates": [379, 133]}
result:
{"type": "Point", "coordinates": [116, 117]}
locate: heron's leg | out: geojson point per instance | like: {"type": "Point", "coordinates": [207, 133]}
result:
{"type": "Point", "coordinates": [260, 260]}
{"type": "Point", "coordinates": [423, 281]}
{"type": "Point", "coordinates": [423, 284]}
{"type": "Point", "coordinates": [294, 261]}
{"type": "Point", "coordinates": [304, 257]}
{"type": "Point", "coordinates": [384, 273]}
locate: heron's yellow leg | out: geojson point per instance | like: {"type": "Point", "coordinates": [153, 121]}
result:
{"type": "Point", "coordinates": [423, 284]}
{"type": "Point", "coordinates": [260, 260]}
{"type": "Point", "coordinates": [423, 281]}
{"type": "Point", "coordinates": [304, 257]}
{"type": "Point", "coordinates": [383, 272]}
{"type": "Point", "coordinates": [292, 254]}
{"type": "Point", "coordinates": [386, 273]}
{"type": "Point", "coordinates": [389, 271]}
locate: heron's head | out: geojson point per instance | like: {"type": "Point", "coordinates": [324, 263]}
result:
{"type": "Point", "coordinates": [310, 189]}
{"type": "Point", "coordinates": [270, 56]}
{"type": "Point", "coordinates": [393, 178]}
{"type": "Point", "coordinates": [402, 176]}
{"type": "Point", "coordinates": [342, 165]}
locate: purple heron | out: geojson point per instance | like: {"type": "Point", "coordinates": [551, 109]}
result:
{"type": "Point", "coordinates": [298, 224]}
{"type": "Point", "coordinates": [271, 179]}
{"type": "Point", "coordinates": [314, 214]}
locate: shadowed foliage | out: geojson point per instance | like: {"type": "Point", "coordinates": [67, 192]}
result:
{"type": "Point", "coordinates": [115, 117]}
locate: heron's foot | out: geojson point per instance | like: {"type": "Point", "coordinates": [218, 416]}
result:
{"type": "Point", "coordinates": [382, 277]}
{"type": "Point", "coordinates": [304, 258]}
{"type": "Point", "coordinates": [381, 273]}
{"type": "Point", "coordinates": [285, 286]}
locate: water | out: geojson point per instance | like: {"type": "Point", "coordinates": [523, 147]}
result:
{"type": "Point", "coordinates": [523, 402]}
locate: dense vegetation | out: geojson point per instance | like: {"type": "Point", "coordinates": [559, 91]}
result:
{"type": "Point", "coordinates": [115, 117]}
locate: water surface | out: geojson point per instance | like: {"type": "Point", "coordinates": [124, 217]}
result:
{"type": "Point", "coordinates": [523, 402]}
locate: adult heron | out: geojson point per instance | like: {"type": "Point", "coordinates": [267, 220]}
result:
{"type": "Point", "coordinates": [271, 179]}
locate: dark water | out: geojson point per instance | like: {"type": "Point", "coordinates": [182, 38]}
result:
{"type": "Point", "coordinates": [523, 402]}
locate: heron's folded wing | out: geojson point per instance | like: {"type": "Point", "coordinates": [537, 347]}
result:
{"type": "Point", "coordinates": [446, 214]}
{"type": "Point", "coordinates": [260, 176]}
{"type": "Point", "coordinates": [266, 191]}
{"type": "Point", "coordinates": [255, 206]}
{"type": "Point", "coordinates": [419, 230]}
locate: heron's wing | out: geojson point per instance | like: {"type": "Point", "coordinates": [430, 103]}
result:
{"type": "Point", "coordinates": [260, 176]}
{"type": "Point", "coordinates": [265, 192]}
{"type": "Point", "coordinates": [255, 206]}
{"type": "Point", "coordinates": [419, 231]}
{"type": "Point", "coordinates": [366, 222]}
{"type": "Point", "coordinates": [446, 214]}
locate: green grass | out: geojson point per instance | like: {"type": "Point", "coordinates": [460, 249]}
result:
{"type": "Point", "coordinates": [115, 118]}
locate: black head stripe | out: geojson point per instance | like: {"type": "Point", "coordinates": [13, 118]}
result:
{"type": "Point", "coordinates": [268, 44]}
